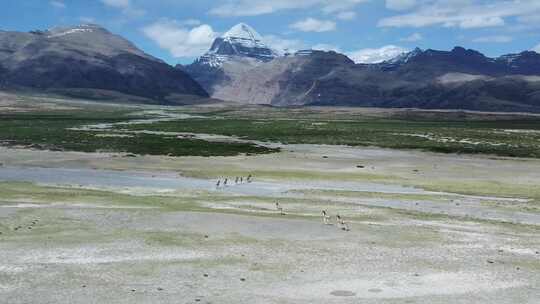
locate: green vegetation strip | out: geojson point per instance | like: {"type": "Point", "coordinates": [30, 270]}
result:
{"type": "Point", "coordinates": [473, 137]}
{"type": "Point", "coordinates": [51, 131]}
{"type": "Point", "coordinates": [519, 137]}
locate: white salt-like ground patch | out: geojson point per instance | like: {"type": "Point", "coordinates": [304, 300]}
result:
{"type": "Point", "coordinates": [161, 116]}
{"type": "Point", "coordinates": [468, 226]}
{"type": "Point", "coordinates": [474, 239]}
{"type": "Point", "coordinates": [115, 135]}
{"type": "Point", "coordinates": [520, 250]}
{"type": "Point", "coordinates": [72, 205]}
{"type": "Point", "coordinates": [6, 288]}
{"type": "Point", "coordinates": [524, 131]}
{"type": "Point", "coordinates": [263, 208]}
{"type": "Point", "coordinates": [184, 135]}
{"type": "Point", "coordinates": [445, 139]}
{"type": "Point", "coordinates": [12, 269]}
{"type": "Point", "coordinates": [107, 253]}
{"type": "Point", "coordinates": [396, 286]}
{"type": "Point", "coordinates": [219, 206]}
{"type": "Point", "coordinates": [213, 137]}
{"type": "Point", "coordinates": [23, 205]}
{"type": "Point", "coordinates": [101, 206]}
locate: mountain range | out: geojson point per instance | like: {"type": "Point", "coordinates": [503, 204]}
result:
{"type": "Point", "coordinates": [88, 60]}
{"type": "Point", "coordinates": [456, 79]}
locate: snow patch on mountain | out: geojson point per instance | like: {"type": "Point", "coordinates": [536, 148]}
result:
{"type": "Point", "coordinates": [405, 57]}
{"type": "Point", "coordinates": [509, 58]}
{"type": "Point", "coordinates": [72, 31]}
{"type": "Point", "coordinates": [60, 32]}
{"type": "Point", "coordinates": [376, 55]}
{"type": "Point", "coordinates": [451, 78]}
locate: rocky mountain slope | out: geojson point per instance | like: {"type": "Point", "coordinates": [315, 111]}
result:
{"type": "Point", "coordinates": [459, 79]}
{"type": "Point", "coordinates": [88, 57]}
{"type": "Point", "coordinates": [232, 56]}
{"type": "Point", "coordinates": [456, 79]}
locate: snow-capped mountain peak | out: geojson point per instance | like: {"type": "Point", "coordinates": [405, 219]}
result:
{"type": "Point", "coordinates": [243, 31]}
{"type": "Point", "coordinates": [240, 41]}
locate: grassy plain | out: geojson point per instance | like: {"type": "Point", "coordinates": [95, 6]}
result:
{"type": "Point", "coordinates": [47, 123]}
{"type": "Point", "coordinates": [79, 226]}
{"type": "Point", "coordinates": [53, 132]}
{"type": "Point", "coordinates": [516, 138]}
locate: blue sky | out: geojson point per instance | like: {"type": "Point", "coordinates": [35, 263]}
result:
{"type": "Point", "coordinates": [366, 30]}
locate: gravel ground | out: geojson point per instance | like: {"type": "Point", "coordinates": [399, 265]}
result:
{"type": "Point", "coordinates": [406, 244]}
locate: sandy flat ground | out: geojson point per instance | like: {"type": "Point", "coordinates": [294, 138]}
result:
{"type": "Point", "coordinates": [424, 228]}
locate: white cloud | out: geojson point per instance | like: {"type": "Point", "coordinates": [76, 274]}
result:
{"type": "Point", "coordinates": [326, 47]}
{"type": "Point", "coordinates": [476, 22]}
{"type": "Point", "coordinates": [464, 14]}
{"type": "Point", "coordinates": [261, 7]}
{"type": "Point", "coordinates": [125, 6]}
{"type": "Point", "coordinates": [57, 4]}
{"type": "Point", "coordinates": [376, 55]}
{"type": "Point", "coordinates": [180, 40]}
{"type": "Point", "coordinates": [293, 45]}
{"type": "Point", "coordinates": [537, 48]}
{"type": "Point", "coordinates": [493, 39]}
{"type": "Point", "coordinates": [399, 5]}
{"type": "Point", "coordinates": [117, 3]}
{"type": "Point", "coordinates": [346, 15]}
{"type": "Point", "coordinates": [87, 20]}
{"type": "Point", "coordinates": [283, 45]}
{"type": "Point", "coordinates": [314, 25]}
{"type": "Point", "coordinates": [336, 6]}
{"type": "Point", "coordinates": [529, 19]}
{"type": "Point", "coordinates": [191, 22]}
{"type": "Point", "coordinates": [255, 8]}
{"type": "Point", "coordinates": [412, 38]}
